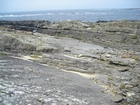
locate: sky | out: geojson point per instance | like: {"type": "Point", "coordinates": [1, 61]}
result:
{"type": "Point", "coordinates": [34, 5]}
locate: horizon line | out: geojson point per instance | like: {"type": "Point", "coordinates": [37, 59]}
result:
{"type": "Point", "coordinates": [68, 9]}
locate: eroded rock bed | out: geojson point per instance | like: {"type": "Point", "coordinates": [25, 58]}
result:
{"type": "Point", "coordinates": [70, 62]}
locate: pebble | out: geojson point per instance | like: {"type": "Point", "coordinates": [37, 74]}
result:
{"type": "Point", "coordinates": [117, 98]}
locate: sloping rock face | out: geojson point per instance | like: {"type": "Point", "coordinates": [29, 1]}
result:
{"type": "Point", "coordinates": [23, 82]}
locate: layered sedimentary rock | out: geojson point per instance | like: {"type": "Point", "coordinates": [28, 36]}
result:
{"type": "Point", "coordinates": [107, 53]}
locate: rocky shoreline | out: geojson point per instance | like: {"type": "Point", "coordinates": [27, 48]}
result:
{"type": "Point", "coordinates": [116, 34]}
{"type": "Point", "coordinates": [107, 50]}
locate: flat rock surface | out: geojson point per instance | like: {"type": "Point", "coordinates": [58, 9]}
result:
{"type": "Point", "coordinates": [23, 82]}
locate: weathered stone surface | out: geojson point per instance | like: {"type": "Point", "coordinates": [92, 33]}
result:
{"type": "Point", "coordinates": [117, 70]}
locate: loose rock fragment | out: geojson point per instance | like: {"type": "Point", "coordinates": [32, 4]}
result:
{"type": "Point", "coordinates": [117, 98]}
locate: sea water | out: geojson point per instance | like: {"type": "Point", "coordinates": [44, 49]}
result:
{"type": "Point", "coordinates": [86, 15]}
